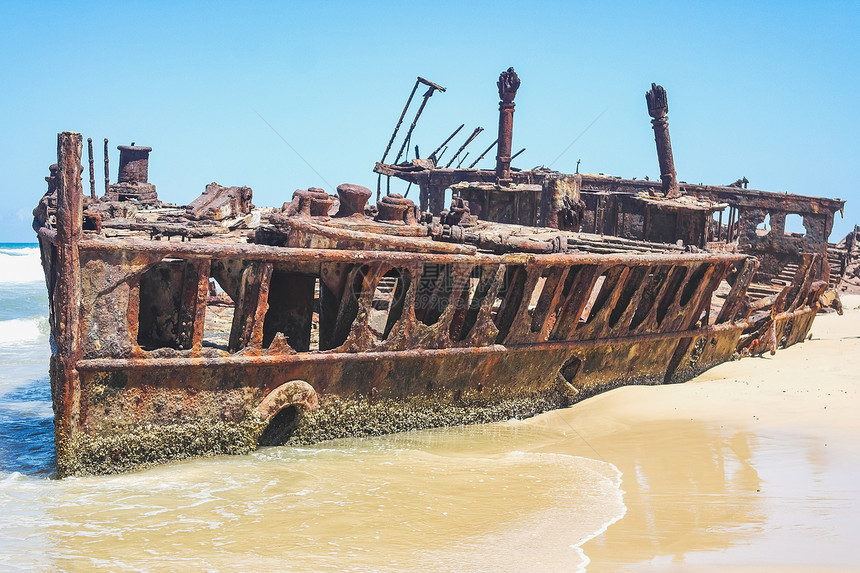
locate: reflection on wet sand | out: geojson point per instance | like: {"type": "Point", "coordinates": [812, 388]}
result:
{"type": "Point", "coordinates": [746, 501]}
{"type": "Point", "coordinates": [696, 489]}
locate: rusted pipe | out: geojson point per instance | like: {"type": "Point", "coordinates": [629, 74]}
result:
{"type": "Point", "coordinates": [433, 155]}
{"type": "Point", "coordinates": [430, 89]}
{"type": "Point", "coordinates": [486, 151]}
{"type": "Point", "coordinates": [469, 140]}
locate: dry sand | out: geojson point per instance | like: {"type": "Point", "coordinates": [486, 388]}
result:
{"type": "Point", "coordinates": [753, 466]}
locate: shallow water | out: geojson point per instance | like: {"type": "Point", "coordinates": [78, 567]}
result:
{"type": "Point", "coordinates": [26, 426]}
{"type": "Point", "coordinates": [360, 505]}
{"type": "Point", "coordinates": [456, 499]}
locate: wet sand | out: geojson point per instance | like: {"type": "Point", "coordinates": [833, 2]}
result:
{"type": "Point", "coordinates": [753, 466]}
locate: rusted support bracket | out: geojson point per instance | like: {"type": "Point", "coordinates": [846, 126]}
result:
{"type": "Point", "coordinates": [431, 87]}
{"type": "Point", "coordinates": [480, 157]}
{"type": "Point", "coordinates": [400, 121]}
{"type": "Point", "coordinates": [802, 281]}
{"type": "Point", "coordinates": [251, 306]}
{"type": "Point", "coordinates": [469, 140]}
{"type": "Point", "coordinates": [434, 155]}
{"type": "Point", "coordinates": [735, 298]}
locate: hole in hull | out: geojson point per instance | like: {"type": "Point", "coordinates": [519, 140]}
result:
{"type": "Point", "coordinates": [571, 368]}
{"type": "Point", "coordinates": [281, 427]}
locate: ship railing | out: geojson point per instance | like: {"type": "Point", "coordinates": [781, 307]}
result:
{"type": "Point", "coordinates": [154, 298]}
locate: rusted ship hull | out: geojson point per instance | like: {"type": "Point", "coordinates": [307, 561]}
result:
{"type": "Point", "coordinates": [216, 327]}
{"type": "Point", "coordinates": [499, 336]}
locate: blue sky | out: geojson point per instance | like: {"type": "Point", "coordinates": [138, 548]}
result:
{"type": "Point", "coordinates": [764, 90]}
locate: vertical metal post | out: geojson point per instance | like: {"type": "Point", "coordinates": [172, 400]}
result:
{"type": "Point", "coordinates": [66, 299]}
{"type": "Point", "coordinates": [730, 230]}
{"type": "Point", "coordinates": [720, 227]}
{"type": "Point", "coordinates": [658, 107]}
{"type": "Point", "coordinates": [92, 168]}
{"type": "Point", "coordinates": [508, 85]}
{"type": "Point", "coordinates": [107, 168]}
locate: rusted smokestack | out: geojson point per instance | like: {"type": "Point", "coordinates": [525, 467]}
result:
{"type": "Point", "coordinates": [133, 178]}
{"type": "Point", "coordinates": [508, 84]}
{"type": "Point", "coordinates": [658, 106]}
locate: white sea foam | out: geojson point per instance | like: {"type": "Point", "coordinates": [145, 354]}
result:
{"type": "Point", "coordinates": [20, 330]}
{"type": "Point", "coordinates": [20, 265]}
{"type": "Point", "coordinates": [29, 408]}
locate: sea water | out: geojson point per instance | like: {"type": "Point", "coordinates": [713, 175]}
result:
{"type": "Point", "coordinates": [475, 498]}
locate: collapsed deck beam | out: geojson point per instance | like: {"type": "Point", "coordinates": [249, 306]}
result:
{"type": "Point", "coordinates": [191, 250]}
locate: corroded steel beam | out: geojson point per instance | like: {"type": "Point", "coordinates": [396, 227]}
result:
{"type": "Point", "coordinates": [66, 324]}
{"type": "Point", "coordinates": [161, 249]}
{"type": "Point", "coordinates": [114, 364]}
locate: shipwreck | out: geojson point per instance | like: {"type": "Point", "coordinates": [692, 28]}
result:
{"type": "Point", "coordinates": [218, 326]}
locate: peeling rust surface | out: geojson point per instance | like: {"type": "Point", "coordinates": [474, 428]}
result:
{"type": "Point", "coordinates": [218, 203]}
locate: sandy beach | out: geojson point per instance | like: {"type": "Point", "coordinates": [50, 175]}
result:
{"type": "Point", "coordinates": [750, 467]}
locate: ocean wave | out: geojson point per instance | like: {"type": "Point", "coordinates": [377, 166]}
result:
{"type": "Point", "coordinates": [20, 265]}
{"type": "Point", "coordinates": [23, 329]}
{"type": "Point", "coordinates": [29, 409]}
{"type": "Point", "coordinates": [17, 249]}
